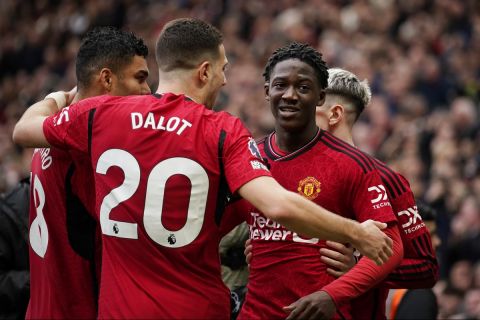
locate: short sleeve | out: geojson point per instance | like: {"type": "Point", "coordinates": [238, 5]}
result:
{"type": "Point", "coordinates": [68, 129]}
{"type": "Point", "coordinates": [370, 199]}
{"type": "Point", "coordinates": [242, 159]}
{"type": "Point", "coordinates": [405, 207]}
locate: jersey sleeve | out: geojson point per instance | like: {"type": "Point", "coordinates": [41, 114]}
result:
{"type": "Point", "coordinates": [242, 158]}
{"type": "Point", "coordinates": [366, 274]}
{"type": "Point", "coordinates": [68, 129]}
{"type": "Point", "coordinates": [369, 198]}
{"type": "Point", "coordinates": [419, 268]}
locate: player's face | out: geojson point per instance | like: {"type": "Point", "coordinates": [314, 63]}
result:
{"type": "Point", "coordinates": [218, 78]}
{"type": "Point", "coordinates": [132, 79]}
{"type": "Point", "coordinates": [294, 93]}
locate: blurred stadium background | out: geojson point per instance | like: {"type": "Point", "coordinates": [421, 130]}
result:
{"type": "Point", "coordinates": [421, 57]}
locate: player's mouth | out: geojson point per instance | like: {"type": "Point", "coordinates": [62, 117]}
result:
{"type": "Point", "coordinates": [288, 111]}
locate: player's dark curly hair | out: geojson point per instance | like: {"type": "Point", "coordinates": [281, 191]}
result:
{"type": "Point", "coordinates": [183, 43]}
{"type": "Point", "coordinates": [302, 52]}
{"type": "Point", "coordinates": [106, 47]}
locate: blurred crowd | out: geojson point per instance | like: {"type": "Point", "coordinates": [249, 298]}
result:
{"type": "Point", "coordinates": [421, 57]}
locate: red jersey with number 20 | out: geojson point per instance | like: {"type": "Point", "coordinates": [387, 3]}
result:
{"type": "Point", "coordinates": [163, 166]}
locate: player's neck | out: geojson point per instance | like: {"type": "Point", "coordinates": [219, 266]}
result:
{"type": "Point", "coordinates": [292, 141]}
{"type": "Point", "coordinates": [179, 86]}
{"type": "Point", "coordinates": [344, 133]}
{"type": "Point", "coordinates": [85, 93]}
{"type": "Point", "coordinates": [179, 91]}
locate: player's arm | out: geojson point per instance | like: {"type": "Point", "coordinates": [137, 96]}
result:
{"type": "Point", "coordinates": [419, 268]}
{"type": "Point", "coordinates": [28, 131]}
{"type": "Point", "coordinates": [303, 216]}
{"type": "Point", "coordinates": [362, 277]}
{"type": "Point", "coordinates": [413, 274]}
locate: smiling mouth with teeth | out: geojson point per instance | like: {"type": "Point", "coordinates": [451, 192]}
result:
{"type": "Point", "coordinates": [288, 109]}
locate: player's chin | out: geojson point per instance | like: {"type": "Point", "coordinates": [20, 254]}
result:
{"type": "Point", "coordinates": [290, 124]}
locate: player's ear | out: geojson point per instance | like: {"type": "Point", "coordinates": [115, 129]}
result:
{"type": "Point", "coordinates": [204, 71]}
{"type": "Point", "coordinates": [106, 79]}
{"type": "Point", "coordinates": [266, 87]}
{"type": "Point", "coordinates": [321, 98]}
{"type": "Point", "coordinates": [336, 114]}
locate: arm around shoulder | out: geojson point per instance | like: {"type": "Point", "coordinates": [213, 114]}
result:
{"type": "Point", "coordinates": [305, 217]}
{"type": "Point", "coordinates": [28, 131]}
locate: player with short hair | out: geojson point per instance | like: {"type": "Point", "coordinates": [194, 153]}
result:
{"type": "Point", "coordinates": [164, 165]}
{"type": "Point", "coordinates": [63, 258]}
{"type": "Point", "coordinates": [312, 162]}
{"type": "Point", "coordinates": [346, 98]}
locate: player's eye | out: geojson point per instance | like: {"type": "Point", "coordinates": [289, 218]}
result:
{"type": "Point", "coordinates": [304, 87]}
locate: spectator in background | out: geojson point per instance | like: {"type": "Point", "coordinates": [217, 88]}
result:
{"type": "Point", "coordinates": [14, 274]}
{"type": "Point", "coordinates": [464, 242]}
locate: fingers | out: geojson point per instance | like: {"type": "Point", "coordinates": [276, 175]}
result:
{"type": "Point", "coordinates": [293, 310]}
{"type": "Point", "coordinates": [339, 265]}
{"type": "Point", "coordinates": [248, 247]}
{"type": "Point", "coordinates": [71, 95]}
{"type": "Point", "coordinates": [341, 258]}
{"type": "Point", "coordinates": [380, 225]}
{"type": "Point", "coordinates": [248, 259]}
{"type": "Point", "coordinates": [390, 246]}
{"type": "Point", "coordinates": [378, 246]}
{"type": "Point", "coordinates": [335, 273]}
{"type": "Point", "coordinates": [335, 255]}
{"type": "Point", "coordinates": [248, 252]}
{"type": "Point", "coordinates": [386, 253]}
{"type": "Point", "coordinates": [340, 247]}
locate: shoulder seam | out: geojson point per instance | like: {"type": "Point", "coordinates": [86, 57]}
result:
{"type": "Point", "coordinates": [332, 144]}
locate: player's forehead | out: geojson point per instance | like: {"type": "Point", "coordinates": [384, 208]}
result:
{"type": "Point", "coordinates": [136, 64]}
{"type": "Point", "coordinates": [292, 67]}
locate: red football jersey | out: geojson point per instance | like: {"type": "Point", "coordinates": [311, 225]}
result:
{"type": "Point", "coordinates": [285, 266]}
{"type": "Point", "coordinates": [163, 168]}
{"type": "Point", "coordinates": [419, 267]}
{"type": "Point", "coordinates": [63, 282]}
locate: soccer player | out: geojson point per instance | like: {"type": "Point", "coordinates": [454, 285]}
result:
{"type": "Point", "coordinates": [63, 259]}
{"type": "Point", "coordinates": [346, 98]}
{"type": "Point", "coordinates": [285, 265]}
{"type": "Point", "coordinates": [163, 166]}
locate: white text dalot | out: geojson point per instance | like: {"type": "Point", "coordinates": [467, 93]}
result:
{"type": "Point", "coordinates": [173, 124]}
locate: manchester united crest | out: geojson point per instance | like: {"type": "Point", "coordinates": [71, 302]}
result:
{"type": "Point", "coordinates": [309, 188]}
